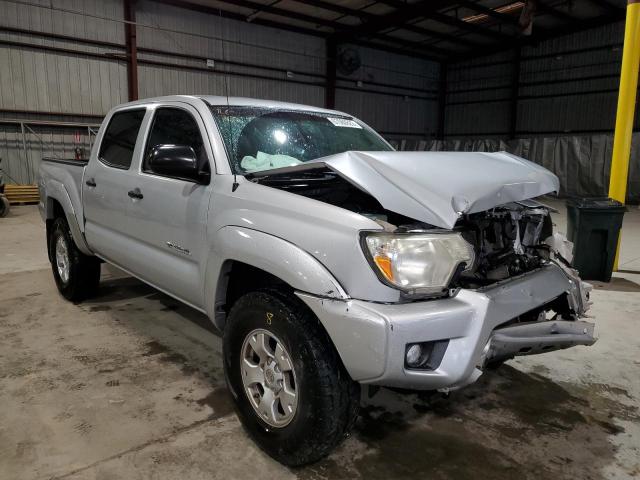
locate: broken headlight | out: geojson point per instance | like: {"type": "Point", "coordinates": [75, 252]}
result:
{"type": "Point", "coordinates": [417, 263]}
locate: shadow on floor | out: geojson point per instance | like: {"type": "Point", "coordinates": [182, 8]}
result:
{"type": "Point", "coordinates": [616, 284]}
{"type": "Point", "coordinates": [509, 424]}
{"type": "Point", "coordinates": [128, 288]}
{"type": "Point", "coordinates": [176, 333]}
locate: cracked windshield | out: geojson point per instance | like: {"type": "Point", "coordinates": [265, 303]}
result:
{"type": "Point", "coordinates": [259, 139]}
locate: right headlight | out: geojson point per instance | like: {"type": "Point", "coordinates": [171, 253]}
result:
{"type": "Point", "coordinates": [420, 263]}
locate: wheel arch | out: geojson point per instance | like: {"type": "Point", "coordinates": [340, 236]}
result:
{"type": "Point", "coordinates": [58, 204]}
{"type": "Point", "coordinates": [243, 260]}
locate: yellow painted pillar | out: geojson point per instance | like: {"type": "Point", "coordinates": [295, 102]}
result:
{"type": "Point", "coordinates": [626, 107]}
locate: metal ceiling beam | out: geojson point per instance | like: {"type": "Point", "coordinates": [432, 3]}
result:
{"type": "Point", "coordinates": [606, 6]}
{"type": "Point", "coordinates": [578, 25]}
{"type": "Point", "coordinates": [196, 7]}
{"type": "Point", "coordinates": [574, 27]}
{"type": "Point", "coordinates": [366, 16]}
{"type": "Point", "coordinates": [501, 17]}
{"type": "Point", "coordinates": [337, 27]}
{"type": "Point", "coordinates": [559, 14]}
{"type": "Point", "coordinates": [430, 9]}
{"type": "Point", "coordinates": [303, 17]}
{"type": "Point", "coordinates": [469, 27]}
{"type": "Point", "coordinates": [334, 7]}
{"type": "Point", "coordinates": [405, 47]}
{"type": "Point", "coordinates": [403, 14]}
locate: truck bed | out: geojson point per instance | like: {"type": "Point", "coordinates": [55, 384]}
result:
{"type": "Point", "coordinates": [62, 179]}
{"type": "Point", "coordinates": [67, 161]}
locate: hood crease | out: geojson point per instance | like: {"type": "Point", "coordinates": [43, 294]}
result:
{"type": "Point", "coordinates": [437, 187]}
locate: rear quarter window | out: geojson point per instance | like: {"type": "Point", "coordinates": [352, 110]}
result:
{"type": "Point", "coordinates": [120, 137]}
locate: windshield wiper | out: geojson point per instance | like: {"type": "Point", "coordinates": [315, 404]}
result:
{"type": "Point", "coordinates": [295, 178]}
{"type": "Point", "coordinates": [307, 171]}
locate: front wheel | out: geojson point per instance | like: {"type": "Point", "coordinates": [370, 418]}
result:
{"type": "Point", "coordinates": [77, 275]}
{"type": "Point", "coordinates": [292, 393]}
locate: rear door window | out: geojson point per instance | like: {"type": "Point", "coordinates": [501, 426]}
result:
{"type": "Point", "coordinates": [119, 140]}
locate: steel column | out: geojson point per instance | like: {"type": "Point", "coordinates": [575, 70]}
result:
{"type": "Point", "coordinates": [132, 48]}
{"type": "Point", "coordinates": [442, 101]}
{"type": "Point", "coordinates": [626, 108]}
{"type": "Point", "coordinates": [330, 72]}
{"type": "Point", "coordinates": [515, 87]}
{"type": "Point", "coordinates": [24, 149]}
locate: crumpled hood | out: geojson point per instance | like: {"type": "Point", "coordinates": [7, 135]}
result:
{"type": "Point", "coordinates": [437, 187]}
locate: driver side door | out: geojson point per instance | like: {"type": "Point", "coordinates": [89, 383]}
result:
{"type": "Point", "coordinates": [168, 221]}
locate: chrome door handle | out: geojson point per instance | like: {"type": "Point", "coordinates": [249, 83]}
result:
{"type": "Point", "coordinates": [135, 193]}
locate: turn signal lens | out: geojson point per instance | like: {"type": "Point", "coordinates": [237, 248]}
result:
{"type": "Point", "coordinates": [384, 264]}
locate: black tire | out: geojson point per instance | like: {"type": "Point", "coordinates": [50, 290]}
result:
{"type": "Point", "coordinates": [328, 399]}
{"type": "Point", "coordinates": [84, 271]}
{"type": "Point", "coordinates": [4, 206]}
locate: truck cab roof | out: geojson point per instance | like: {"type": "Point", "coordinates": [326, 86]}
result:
{"type": "Point", "coordinates": [231, 101]}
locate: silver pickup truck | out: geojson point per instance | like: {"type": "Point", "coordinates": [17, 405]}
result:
{"type": "Point", "coordinates": [327, 260]}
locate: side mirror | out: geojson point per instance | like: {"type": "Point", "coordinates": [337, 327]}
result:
{"type": "Point", "coordinates": [177, 161]}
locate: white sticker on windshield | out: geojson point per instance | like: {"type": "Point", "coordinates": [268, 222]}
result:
{"type": "Point", "coordinates": [344, 122]}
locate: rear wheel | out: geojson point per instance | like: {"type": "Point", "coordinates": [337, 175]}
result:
{"type": "Point", "coordinates": [77, 275]}
{"type": "Point", "coordinates": [292, 393]}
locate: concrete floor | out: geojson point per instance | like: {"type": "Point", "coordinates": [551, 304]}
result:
{"type": "Point", "coordinates": [130, 385]}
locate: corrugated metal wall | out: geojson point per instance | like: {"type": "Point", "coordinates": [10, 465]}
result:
{"type": "Point", "coordinates": [567, 85]}
{"type": "Point", "coordinates": [37, 79]}
{"type": "Point", "coordinates": [286, 51]}
{"type": "Point", "coordinates": [79, 79]}
{"type": "Point", "coordinates": [40, 80]}
{"type": "Point", "coordinates": [570, 84]}
{"type": "Point", "coordinates": [478, 94]}
{"type": "Point", "coordinates": [406, 98]}
{"type": "Point", "coordinates": [41, 140]}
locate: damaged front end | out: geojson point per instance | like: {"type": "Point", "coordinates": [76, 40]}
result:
{"type": "Point", "coordinates": [510, 241]}
{"type": "Point", "coordinates": [511, 268]}
{"type": "Point", "coordinates": [514, 239]}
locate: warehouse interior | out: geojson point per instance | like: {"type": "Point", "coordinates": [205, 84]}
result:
{"type": "Point", "coordinates": [131, 384]}
{"type": "Point", "coordinates": [423, 80]}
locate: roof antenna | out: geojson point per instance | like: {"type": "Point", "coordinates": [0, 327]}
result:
{"type": "Point", "coordinates": [235, 184]}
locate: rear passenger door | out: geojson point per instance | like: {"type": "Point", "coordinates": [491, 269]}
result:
{"type": "Point", "coordinates": [169, 223]}
{"type": "Point", "coordinates": [107, 180]}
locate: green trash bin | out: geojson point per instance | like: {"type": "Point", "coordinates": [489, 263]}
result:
{"type": "Point", "coordinates": [593, 225]}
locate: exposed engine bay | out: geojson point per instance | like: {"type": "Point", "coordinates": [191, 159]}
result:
{"type": "Point", "coordinates": [509, 240]}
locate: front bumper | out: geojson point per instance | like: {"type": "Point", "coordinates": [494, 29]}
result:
{"type": "Point", "coordinates": [371, 338]}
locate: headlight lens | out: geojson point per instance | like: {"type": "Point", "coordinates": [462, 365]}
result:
{"type": "Point", "coordinates": [418, 262]}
